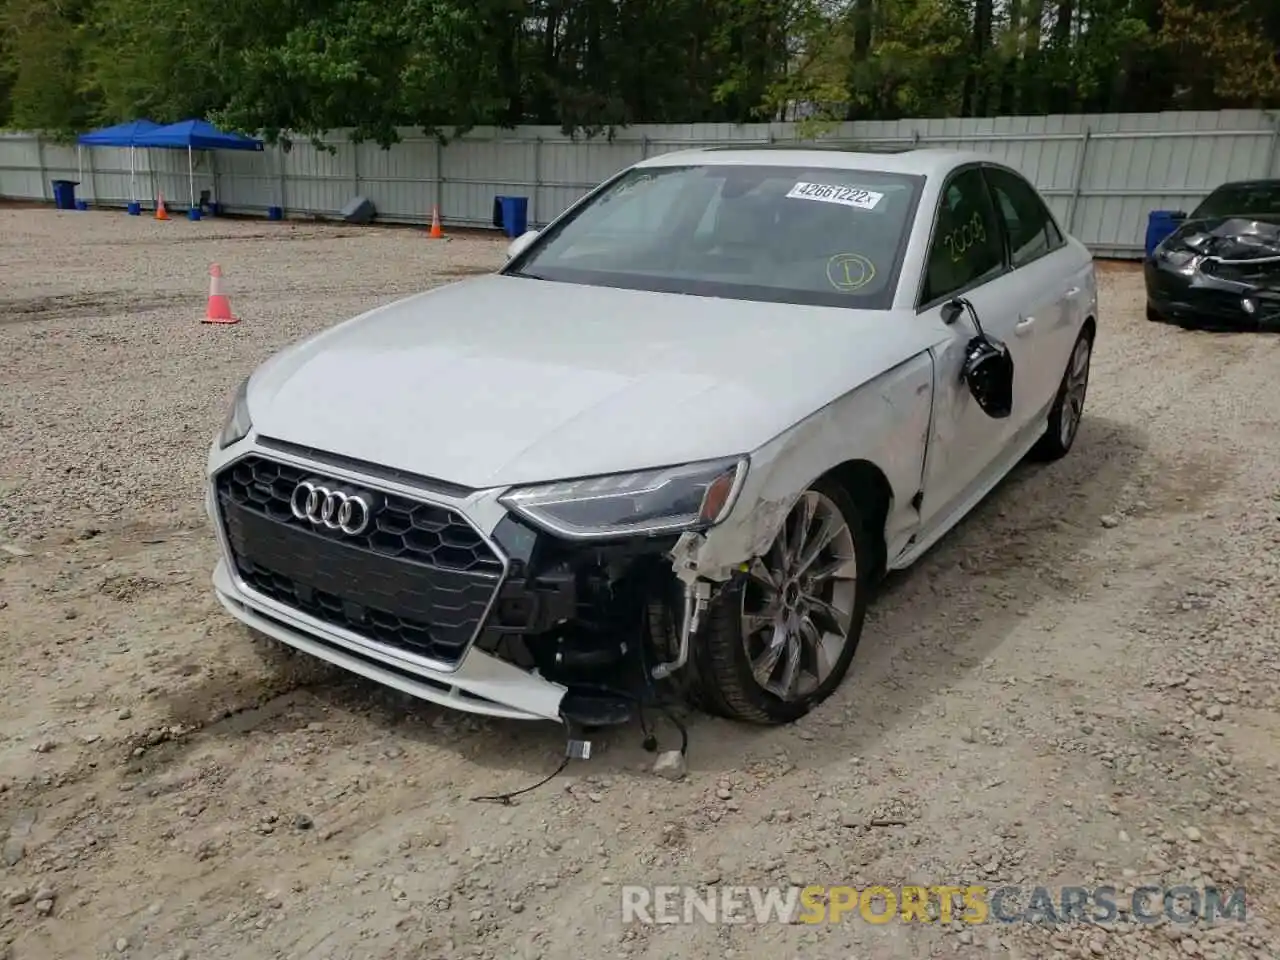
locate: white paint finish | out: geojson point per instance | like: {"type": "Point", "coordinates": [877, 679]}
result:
{"type": "Point", "coordinates": [1046, 327]}
{"type": "Point", "coordinates": [481, 684]}
{"type": "Point", "coordinates": [501, 380]}
{"type": "Point", "coordinates": [936, 527]}
{"type": "Point", "coordinates": [518, 245]}
{"type": "Point", "coordinates": [884, 423]}
{"type": "Point", "coordinates": [964, 438]}
{"type": "Point", "coordinates": [924, 162]}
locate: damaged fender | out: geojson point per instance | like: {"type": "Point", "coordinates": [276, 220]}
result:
{"type": "Point", "coordinates": [885, 423]}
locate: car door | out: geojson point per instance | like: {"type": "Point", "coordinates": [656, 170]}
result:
{"type": "Point", "coordinates": [966, 258]}
{"type": "Point", "coordinates": [1041, 276]}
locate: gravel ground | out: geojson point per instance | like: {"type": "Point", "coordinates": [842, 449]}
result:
{"type": "Point", "coordinates": [1078, 686]}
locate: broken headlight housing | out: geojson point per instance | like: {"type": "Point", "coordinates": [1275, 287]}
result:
{"type": "Point", "coordinates": [645, 503]}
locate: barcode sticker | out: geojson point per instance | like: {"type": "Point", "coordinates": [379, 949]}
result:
{"type": "Point", "coordinates": [828, 193]}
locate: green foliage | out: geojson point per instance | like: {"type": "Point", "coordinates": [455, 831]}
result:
{"type": "Point", "coordinates": [44, 43]}
{"type": "Point", "coordinates": [303, 67]}
{"type": "Point", "coordinates": [1237, 57]}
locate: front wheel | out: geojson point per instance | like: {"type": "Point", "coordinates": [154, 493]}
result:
{"type": "Point", "coordinates": [780, 639]}
{"type": "Point", "coordinates": [1068, 406]}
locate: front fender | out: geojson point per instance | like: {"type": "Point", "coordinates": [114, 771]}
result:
{"type": "Point", "coordinates": [884, 422]}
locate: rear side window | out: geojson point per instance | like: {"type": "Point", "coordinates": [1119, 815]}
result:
{"type": "Point", "coordinates": [1031, 230]}
{"type": "Point", "coordinates": [965, 249]}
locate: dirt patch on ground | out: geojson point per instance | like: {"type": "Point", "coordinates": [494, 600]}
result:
{"type": "Point", "coordinates": [1078, 686]}
{"type": "Point", "coordinates": [72, 306]}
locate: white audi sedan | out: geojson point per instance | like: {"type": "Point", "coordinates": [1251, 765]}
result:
{"type": "Point", "coordinates": [671, 447]}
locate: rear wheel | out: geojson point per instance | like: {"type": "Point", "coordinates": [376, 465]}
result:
{"type": "Point", "coordinates": [779, 641]}
{"type": "Point", "coordinates": [1068, 407]}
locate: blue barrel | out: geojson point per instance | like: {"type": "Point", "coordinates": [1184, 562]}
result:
{"type": "Point", "coordinates": [82, 205]}
{"type": "Point", "coordinates": [275, 213]}
{"type": "Point", "coordinates": [64, 194]}
{"type": "Point", "coordinates": [1160, 224]}
{"type": "Point", "coordinates": [511, 214]}
{"type": "Point", "coordinates": [193, 213]}
{"type": "Point", "coordinates": [134, 208]}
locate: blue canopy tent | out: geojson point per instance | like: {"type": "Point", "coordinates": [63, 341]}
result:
{"type": "Point", "coordinates": [193, 135]}
{"type": "Point", "coordinates": [121, 135]}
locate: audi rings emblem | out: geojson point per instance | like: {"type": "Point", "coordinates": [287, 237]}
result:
{"type": "Point", "coordinates": [348, 512]}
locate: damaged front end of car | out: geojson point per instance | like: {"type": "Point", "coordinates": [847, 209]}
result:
{"type": "Point", "coordinates": [605, 591]}
{"type": "Point", "coordinates": [1222, 272]}
{"type": "Point", "coordinates": [575, 600]}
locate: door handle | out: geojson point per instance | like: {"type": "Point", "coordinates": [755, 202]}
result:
{"type": "Point", "coordinates": [1024, 326]}
{"type": "Point", "coordinates": [1072, 291]}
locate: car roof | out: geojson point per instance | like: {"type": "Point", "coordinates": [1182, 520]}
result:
{"type": "Point", "coordinates": [925, 162]}
{"type": "Point", "coordinates": [1266, 182]}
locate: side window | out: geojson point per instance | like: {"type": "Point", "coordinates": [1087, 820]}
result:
{"type": "Point", "coordinates": [1055, 235]}
{"type": "Point", "coordinates": [1031, 230]}
{"type": "Point", "coordinates": [966, 248]}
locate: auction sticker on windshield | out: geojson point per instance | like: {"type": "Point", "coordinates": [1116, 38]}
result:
{"type": "Point", "coordinates": [827, 193]}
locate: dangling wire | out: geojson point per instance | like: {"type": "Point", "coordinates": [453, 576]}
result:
{"type": "Point", "coordinates": [506, 798]}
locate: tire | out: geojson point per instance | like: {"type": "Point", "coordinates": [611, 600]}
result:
{"type": "Point", "coordinates": [1154, 315]}
{"type": "Point", "coordinates": [1064, 415]}
{"type": "Point", "coordinates": [721, 680]}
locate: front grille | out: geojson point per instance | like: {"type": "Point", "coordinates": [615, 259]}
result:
{"type": "Point", "coordinates": [1243, 271]}
{"type": "Point", "coordinates": [419, 579]}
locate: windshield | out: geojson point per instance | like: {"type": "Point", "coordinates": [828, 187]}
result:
{"type": "Point", "coordinates": [1241, 199]}
{"type": "Point", "coordinates": [781, 234]}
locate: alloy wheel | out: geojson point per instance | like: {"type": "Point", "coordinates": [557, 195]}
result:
{"type": "Point", "coordinates": [799, 600]}
{"type": "Point", "coordinates": [1076, 387]}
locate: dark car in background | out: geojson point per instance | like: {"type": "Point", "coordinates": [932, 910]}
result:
{"type": "Point", "coordinates": [1221, 267]}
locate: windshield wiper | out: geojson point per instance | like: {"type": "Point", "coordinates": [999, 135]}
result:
{"type": "Point", "coordinates": [524, 275]}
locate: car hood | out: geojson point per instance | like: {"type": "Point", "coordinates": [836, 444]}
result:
{"type": "Point", "coordinates": [1231, 238]}
{"type": "Point", "coordinates": [504, 380]}
{"type": "Point", "coordinates": [1239, 255]}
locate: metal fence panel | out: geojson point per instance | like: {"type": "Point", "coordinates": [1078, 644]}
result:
{"type": "Point", "coordinates": [1101, 174]}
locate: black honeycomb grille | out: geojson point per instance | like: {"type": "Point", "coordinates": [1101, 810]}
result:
{"type": "Point", "coordinates": [402, 528]}
{"type": "Point", "coordinates": [420, 579]}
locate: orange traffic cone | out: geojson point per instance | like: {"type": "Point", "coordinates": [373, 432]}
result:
{"type": "Point", "coordinates": [219, 309]}
{"type": "Point", "coordinates": [161, 212]}
{"type": "Point", "coordinates": [436, 233]}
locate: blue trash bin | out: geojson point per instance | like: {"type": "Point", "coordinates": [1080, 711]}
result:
{"type": "Point", "coordinates": [511, 214]}
{"type": "Point", "coordinates": [1160, 224]}
{"type": "Point", "coordinates": [134, 208]}
{"type": "Point", "coordinates": [64, 194]}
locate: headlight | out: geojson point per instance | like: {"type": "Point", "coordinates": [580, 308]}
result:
{"type": "Point", "coordinates": [238, 423]}
{"type": "Point", "coordinates": [668, 500]}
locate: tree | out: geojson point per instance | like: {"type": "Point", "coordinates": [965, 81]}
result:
{"type": "Point", "coordinates": [43, 43]}
{"type": "Point", "coordinates": [1233, 59]}
{"type": "Point", "coordinates": [305, 67]}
